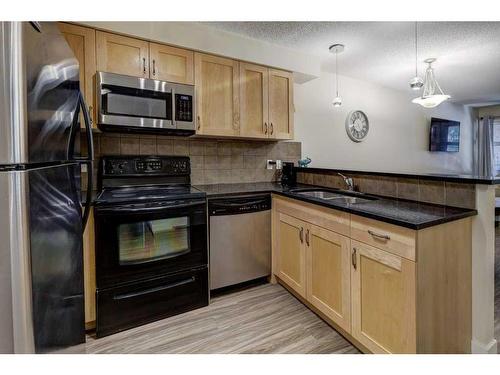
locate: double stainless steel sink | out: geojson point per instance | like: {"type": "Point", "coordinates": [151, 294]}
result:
{"type": "Point", "coordinates": [335, 195]}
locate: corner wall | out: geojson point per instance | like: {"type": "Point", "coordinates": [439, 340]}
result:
{"type": "Point", "coordinates": [398, 139]}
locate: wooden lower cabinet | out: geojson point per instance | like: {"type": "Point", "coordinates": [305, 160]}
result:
{"type": "Point", "coordinates": [289, 241]}
{"type": "Point", "coordinates": [383, 300]}
{"type": "Point", "coordinates": [328, 274]}
{"type": "Point", "coordinates": [405, 291]}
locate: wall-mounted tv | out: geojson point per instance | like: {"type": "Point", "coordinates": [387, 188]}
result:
{"type": "Point", "coordinates": [444, 135]}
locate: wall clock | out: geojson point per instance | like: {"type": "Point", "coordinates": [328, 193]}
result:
{"type": "Point", "coordinates": [356, 125]}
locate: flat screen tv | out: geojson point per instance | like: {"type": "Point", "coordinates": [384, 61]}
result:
{"type": "Point", "coordinates": [444, 135]}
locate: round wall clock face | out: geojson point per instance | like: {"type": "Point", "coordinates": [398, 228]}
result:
{"type": "Point", "coordinates": [356, 125]}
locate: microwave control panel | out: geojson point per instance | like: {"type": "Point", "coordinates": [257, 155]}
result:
{"type": "Point", "coordinates": [183, 108]}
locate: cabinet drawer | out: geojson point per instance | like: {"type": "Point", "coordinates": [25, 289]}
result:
{"type": "Point", "coordinates": [336, 221]}
{"type": "Point", "coordinates": [129, 306]}
{"type": "Point", "coordinates": [396, 240]}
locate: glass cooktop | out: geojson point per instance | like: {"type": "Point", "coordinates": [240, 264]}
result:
{"type": "Point", "coordinates": [148, 193]}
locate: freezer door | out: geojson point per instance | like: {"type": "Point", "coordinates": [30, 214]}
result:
{"type": "Point", "coordinates": [56, 257]}
{"type": "Point", "coordinates": [42, 304]}
{"type": "Point", "coordinates": [39, 93]}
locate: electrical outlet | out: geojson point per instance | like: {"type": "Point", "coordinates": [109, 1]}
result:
{"type": "Point", "coordinates": [279, 164]}
{"type": "Point", "coordinates": [269, 164]}
{"type": "Point", "coordinates": [83, 168]}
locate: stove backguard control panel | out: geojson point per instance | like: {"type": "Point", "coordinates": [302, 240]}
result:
{"type": "Point", "coordinates": [149, 165]}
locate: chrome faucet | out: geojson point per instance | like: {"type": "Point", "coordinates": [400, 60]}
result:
{"type": "Point", "coordinates": [348, 181]}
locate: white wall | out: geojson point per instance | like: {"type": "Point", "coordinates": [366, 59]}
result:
{"type": "Point", "coordinates": [399, 130]}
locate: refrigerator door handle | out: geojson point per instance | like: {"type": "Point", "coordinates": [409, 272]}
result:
{"type": "Point", "coordinates": [89, 161]}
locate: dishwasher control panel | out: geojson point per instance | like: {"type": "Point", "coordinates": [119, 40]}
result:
{"type": "Point", "coordinates": [239, 205]}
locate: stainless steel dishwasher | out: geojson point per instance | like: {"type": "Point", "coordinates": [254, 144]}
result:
{"type": "Point", "coordinates": [240, 239]}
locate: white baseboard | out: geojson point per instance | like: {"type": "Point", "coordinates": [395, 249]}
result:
{"type": "Point", "coordinates": [480, 348]}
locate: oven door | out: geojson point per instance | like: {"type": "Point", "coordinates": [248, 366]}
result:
{"type": "Point", "coordinates": [139, 241]}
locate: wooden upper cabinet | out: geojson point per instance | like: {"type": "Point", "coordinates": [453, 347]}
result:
{"type": "Point", "coordinates": [281, 104]}
{"type": "Point", "coordinates": [383, 300]}
{"type": "Point", "coordinates": [122, 55]}
{"type": "Point", "coordinates": [290, 246]}
{"type": "Point", "coordinates": [171, 64]}
{"type": "Point", "coordinates": [82, 42]}
{"type": "Point", "coordinates": [254, 101]}
{"type": "Point", "coordinates": [217, 95]}
{"type": "Point", "coordinates": [328, 274]}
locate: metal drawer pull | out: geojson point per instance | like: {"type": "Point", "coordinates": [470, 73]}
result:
{"type": "Point", "coordinates": [153, 290]}
{"type": "Point", "coordinates": [272, 128]}
{"type": "Point", "coordinates": [199, 123]}
{"type": "Point", "coordinates": [144, 65]}
{"type": "Point", "coordinates": [301, 235]}
{"type": "Point", "coordinates": [381, 236]}
{"type": "Point", "coordinates": [265, 128]}
{"type": "Point", "coordinates": [307, 237]}
{"type": "Point", "coordinates": [353, 258]}
{"type": "Point", "coordinates": [154, 67]}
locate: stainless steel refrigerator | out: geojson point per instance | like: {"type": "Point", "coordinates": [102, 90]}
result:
{"type": "Point", "coordinates": [41, 221]}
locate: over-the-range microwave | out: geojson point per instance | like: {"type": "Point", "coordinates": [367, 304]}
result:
{"type": "Point", "coordinates": [142, 105]}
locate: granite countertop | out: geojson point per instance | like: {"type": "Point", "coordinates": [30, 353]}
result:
{"type": "Point", "coordinates": [460, 178]}
{"type": "Point", "coordinates": [409, 214]}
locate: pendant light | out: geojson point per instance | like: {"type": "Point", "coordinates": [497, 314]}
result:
{"type": "Point", "coordinates": [416, 82]}
{"type": "Point", "coordinates": [337, 48]}
{"type": "Point", "coordinates": [432, 96]}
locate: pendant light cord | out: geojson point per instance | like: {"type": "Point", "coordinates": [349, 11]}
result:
{"type": "Point", "coordinates": [336, 73]}
{"type": "Point", "coordinates": [416, 50]}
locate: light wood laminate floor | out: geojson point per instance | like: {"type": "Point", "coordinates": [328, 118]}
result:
{"type": "Point", "coordinates": [261, 319]}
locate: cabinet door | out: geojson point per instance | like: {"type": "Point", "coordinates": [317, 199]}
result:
{"type": "Point", "coordinates": [82, 42]}
{"type": "Point", "coordinates": [328, 274]}
{"type": "Point", "coordinates": [280, 104]}
{"type": "Point", "coordinates": [254, 101]}
{"type": "Point", "coordinates": [383, 300]}
{"type": "Point", "coordinates": [217, 95]}
{"type": "Point", "coordinates": [290, 244]}
{"type": "Point", "coordinates": [171, 64]}
{"type": "Point", "coordinates": [122, 55]}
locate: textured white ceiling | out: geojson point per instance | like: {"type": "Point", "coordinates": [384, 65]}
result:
{"type": "Point", "coordinates": [468, 53]}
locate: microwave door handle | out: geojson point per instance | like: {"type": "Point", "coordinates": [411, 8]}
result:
{"type": "Point", "coordinates": [174, 110]}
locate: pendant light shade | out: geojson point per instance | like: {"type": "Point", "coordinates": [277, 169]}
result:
{"type": "Point", "coordinates": [337, 48]}
{"type": "Point", "coordinates": [432, 96]}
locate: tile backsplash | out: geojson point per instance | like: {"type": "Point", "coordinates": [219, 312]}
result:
{"type": "Point", "coordinates": [212, 160]}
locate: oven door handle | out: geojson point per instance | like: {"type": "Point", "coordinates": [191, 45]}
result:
{"type": "Point", "coordinates": [125, 210]}
{"type": "Point", "coordinates": [192, 279]}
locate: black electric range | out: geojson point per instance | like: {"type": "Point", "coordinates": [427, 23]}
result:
{"type": "Point", "coordinates": [151, 241]}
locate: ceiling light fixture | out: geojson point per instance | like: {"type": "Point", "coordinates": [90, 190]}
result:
{"type": "Point", "coordinates": [416, 82]}
{"type": "Point", "coordinates": [432, 96]}
{"type": "Point", "coordinates": [337, 48]}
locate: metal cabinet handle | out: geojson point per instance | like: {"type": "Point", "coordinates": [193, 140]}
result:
{"type": "Point", "coordinates": [144, 65]}
{"type": "Point", "coordinates": [265, 128]}
{"type": "Point", "coordinates": [301, 235]}
{"type": "Point", "coordinates": [154, 67]}
{"type": "Point", "coordinates": [381, 236]}
{"type": "Point", "coordinates": [307, 237]}
{"type": "Point", "coordinates": [199, 123]}
{"type": "Point", "coordinates": [272, 128]}
{"type": "Point", "coordinates": [353, 258]}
